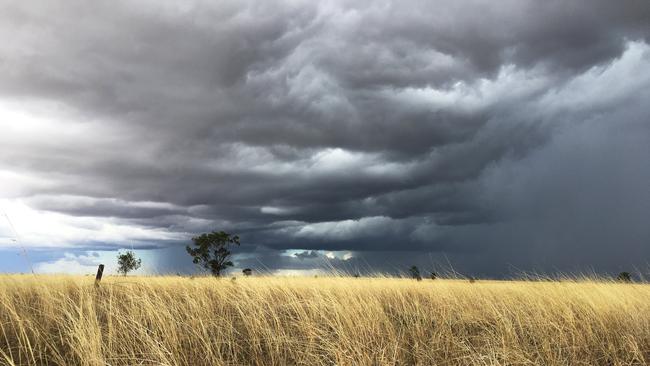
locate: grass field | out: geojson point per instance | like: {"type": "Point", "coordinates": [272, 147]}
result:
{"type": "Point", "coordinates": [59, 320]}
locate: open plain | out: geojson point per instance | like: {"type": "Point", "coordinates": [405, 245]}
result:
{"type": "Point", "coordinates": [66, 320]}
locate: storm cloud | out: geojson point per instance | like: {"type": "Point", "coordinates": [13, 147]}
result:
{"type": "Point", "coordinates": [495, 136]}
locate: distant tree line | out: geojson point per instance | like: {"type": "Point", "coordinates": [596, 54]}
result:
{"type": "Point", "coordinates": [212, 252]}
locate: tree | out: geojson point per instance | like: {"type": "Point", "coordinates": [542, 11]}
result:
{"type": "Point", "coordinates": [415, 273]}
{"type": "Point", "coordinates": [127, 262]}
{"type": "Point", "coordinates": [211, 251]}
{"type": "Point", "coordinates": [624, 277]}
{"type": "Point", "coordinates": [247, 272]}
{"type": "Point", "coordinates": [433, 275]}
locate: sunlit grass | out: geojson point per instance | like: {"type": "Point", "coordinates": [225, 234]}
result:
{"type": "Point", "coordinates": [320, 321]}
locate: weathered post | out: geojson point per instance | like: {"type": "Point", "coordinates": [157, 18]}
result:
{"type": "Point", "coordinates": [98, 277]}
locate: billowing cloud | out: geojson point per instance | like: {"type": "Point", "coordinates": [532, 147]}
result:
{"type": "Point", "coordinates": [498, 135]}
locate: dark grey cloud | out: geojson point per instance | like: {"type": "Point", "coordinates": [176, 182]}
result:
{"type": "Point", "coordinates": [511, 132]}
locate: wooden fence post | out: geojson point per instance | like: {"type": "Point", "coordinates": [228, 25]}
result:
{"type": "Point", "coordinates": [98, 277]}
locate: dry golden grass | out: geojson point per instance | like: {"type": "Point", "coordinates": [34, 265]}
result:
{"type": "Point", "coordinates": [59, 320]}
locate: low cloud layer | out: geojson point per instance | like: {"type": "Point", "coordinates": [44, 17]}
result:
{"type": "Point", "coordinates": [496, 136]}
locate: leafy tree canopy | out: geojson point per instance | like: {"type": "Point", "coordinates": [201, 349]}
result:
{"type": "Point", "coordinates": [210, 250]}
{"type": "Point", "coordinates": [127, 262]}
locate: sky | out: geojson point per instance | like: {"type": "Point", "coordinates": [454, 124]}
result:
{"type": "Point", "coordinates": [491, 138]}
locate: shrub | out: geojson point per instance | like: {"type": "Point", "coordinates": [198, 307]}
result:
{"type": "Point", "coordinates": [415, 273]}
{"type": "Point", "coordinates": [624, 277]}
